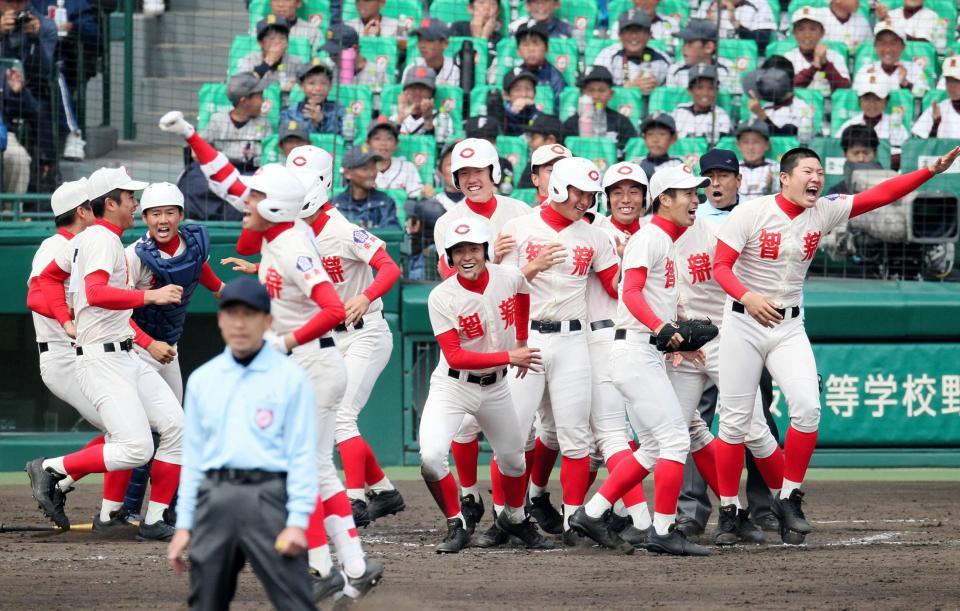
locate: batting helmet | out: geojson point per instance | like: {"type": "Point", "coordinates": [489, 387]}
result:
{"type": "Point", "coordinates": [624, 171]}
{"type": "Point", "coordinates": [160, 194]}
{"type": "Point", "coordinates": [313, 166]}
{"type": "Point", "coordinates": [468, 231]}
{"type": "Point", "coordinates": [475, 153]}
{"type": "Point", "coordinates": [283, 190]}
{"type": "Point", "coordinates": [573, 172]}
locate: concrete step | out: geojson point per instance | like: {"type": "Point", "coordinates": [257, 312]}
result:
{"type": "Point", "coordinates": [144, 161]}
{"type": "Point", "coordinates": [186, 59]}
{"type": "Point", "coordinates": [159, 94]}
{"type": "Point", "coordinates": [197, 26]}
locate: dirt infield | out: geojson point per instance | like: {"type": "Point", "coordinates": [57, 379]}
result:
{"type": "Point", "coordinates": [876, 545]}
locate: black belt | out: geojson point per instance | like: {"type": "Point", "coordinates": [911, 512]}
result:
{"type": "Point", "coordinates": [622, 334]}
{"type": "Point", "coordinates": [327, 342]}
{"type": "Point", "coordinates": [484, 380]}
{"type": "Point", "coordinates": [43, 346]}
{"type": "Point", "coordinates": [343, 326]}
{"type": "Point", "coordinates": [553, 326]}
{"type": "Point", "coordinates": [601, 324]}
{"type": "Point", "coordinates": [794, 311]}
{"type": "Point", "coordinates": [244, 476]}
{"type": "Point", "coordinates": [126, 346]}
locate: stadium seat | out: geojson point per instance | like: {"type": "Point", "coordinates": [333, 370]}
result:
{"type": "Point", "coordinates": [399, 197]}
{"type": "Point", "coordinates": [563, 53]}
{"type": "Point", "coordinates": [628, 101]}
{"type": "Point", "coordinates": [778, 145]}
{"type": "Point", "coordinates": [833, 160]}
{"type": "Point", "coordinates": [666, 99]}
{"type": "Point", "coordinates": [919, 152]}
{"type": "Point", "coordinates": [917, 51]}
{"type": "Point", "coordinates": [602, 151]}
{"type": "Point", "coordinates": [212, 98]}
{"type": "Point", "coordinates": [689, 149]}
{"type": "Point", "coordinates": [782, 47]}
{"type": "Point", "coordinates": [946, 9]}
{"type": "Point", "coordinates": [581, 14]}
{"type": "Point", "coordinates": [421, 151]}
{"type": "Point", "coordinates": [666, 7]}
{"type": "Point", "coordinates": [407, 12]}
{"type": "Point", "coordinates": [354, 98]}
{"type": "Point", "coordinates": [478, 99]}
{"type": "Point", "coordinates": [243, 45]}
{"type": "Point", "coordinates": [449, 10]}
{"type": "Point", "coordinates": [527, 196]}
{"type": "Point", "coordinates": [933, 96]}
{"type": "Point", "coordinates": [333, 144]}
{"type": "Point", "coordinates": [741, 53]}
{"type": "Point", "coordinates": [481, 55]}
{"type": "Point", "coordinates": [314, 11]}
{"type": "Point", "coordinates": [846, 104]}
{"type": "Point", "coordinates": [447, 97]}
{"type": "Point", "coordinates": [515, 150]}
{"type": "Point", "coordinates": [383, 53]}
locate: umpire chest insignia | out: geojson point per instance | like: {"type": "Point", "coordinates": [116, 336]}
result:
{"type": "Point", "coordinates": [263, 417]}
{"type": "Point", "coordinates": [304, 263]}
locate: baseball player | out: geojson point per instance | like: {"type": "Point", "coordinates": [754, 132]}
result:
{"type": "Point", "coordinates": [772, 240]}
{"type": "Point", "coordinates": [541, 166]}
{"type": "Point", "coordinates": [479, 317]}
{"type": "Point", "coordinates": [306, 308]}
{"type": "Point", "coordinates": [648, 297]}
{"type": "Point", "coordinates": [557, 254]}
{"type": "Point", "coordinates": [130, 396]}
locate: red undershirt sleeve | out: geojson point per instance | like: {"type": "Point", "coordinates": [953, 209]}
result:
{"type": "Point", "coordinates": [35, 300]}
{"type": "Point", "coordinates": [723, 261]}
{"type": "Point", "coordinates": [54, 293]}
{"type": "Point", "coordinates": [608, 278]}
{"type": "Point", "coordinates": [140, 336]}
{"type": "Point", "coordinates": [459, 358]}
{"type": "Point", "coordinates": [523, 316]}
{"type": "Point", "coordinates": [330, 315]}
{"type": "Point", "coordinates": [102, 295]}
{"type": "Point", "coordinates": [388, 272]}
{"type": "Point", "coordinates": [888, 191]}
{"type": "Point", "coordinates": [633, 298]}
{"type": "Point", "coordinates": [209, 279]}
{"type": "Point", "coordinates": [249, 242]}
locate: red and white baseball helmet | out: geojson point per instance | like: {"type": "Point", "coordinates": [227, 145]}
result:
{"type": "Point", "coordinates": [284, 193]}
{"type": "Point", "coordinates": [624, 171]}
{"type": "Point", "coordinates": [573, 172]}
{"type": "Point", "coordinates": [313, 166]}
{"type": "Point", "coordinates": [468, 231]}
{"type": "Point", "coordinates": [475, 153]}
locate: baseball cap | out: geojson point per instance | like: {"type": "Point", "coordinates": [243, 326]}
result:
{"type": "Point", "coordinates": [658, 119]}
{"type": "Point", "coordinates": [245, 290]}
{"type": "Point", "coordinates": [382, 122]}
{"type": "Point", "coordinates": [807, 13]}
{"type": "Point", "coordinates": [719, 159]}
{"type": "Point", "coordinates": [951, 67]}
{"type": "Point", "coordinates": [890, 26]}
{"type": "Point", "coordinates": [244, 85]}
{"type": "Point", "coordinates": [293, 128]}
{"type": "Point", "coordinates": [272, 22]}
{"type": "Point", "coordinates": [317, 65]}
{"type": "Point", "coordinates": [106, 180]}
{"type": "Point", "coordinates": [340, 37]}
{"type": "Point", "coordinates": [359, 156]}
{"type": "Point", "coordinates": [700, 71]}
{"type": "Point", "coordinates": [517, 74]}
{"type": "Point", "coordinates": [548, 153]}
{"type": "Point", "coordinates": [420, 75]}
{"type": "Point", "coordinates": [597, 73]}
{"type": "Point", "coordinates": [160, 194]}
{"type": "Point", "coordinates": [69, 195]}
{"type": "Point", "coordinates": [699, 29]}
{"type": "Point", "coordinates": [432, 29]}
{"type": "Point", "coordinates": [532, 26]}
{"type": "Point", "coordinates": [544, 124]}
{"type": "Point", "coordinates": [481, 127]}
{"type": "Point", "coordinates": [771, 83]}
{"type": "Point", "coordinates": [676, 177]}
{"type": "Point", "coordinates": [756, 126]}
{"type": "Point", "coordinates": [871, 83]}
{"type": "Point", "coordinates": [634, 19]}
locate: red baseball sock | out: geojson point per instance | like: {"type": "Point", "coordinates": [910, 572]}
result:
{"type": "Point", "coordinates": [729, 459]}
{"type": "Point", "coordinates": [528, 461]}
{"type": "Point", "coordinates": [635, 495]}
{"type": "Point", "coordinates": [338, 506]}
{"type": "Point", "coordinates": [544, 459]}
{"type": "Point", "coordinates": [446, 495]}
{"type": "Point", "coordinates": [85, 461]}
{"type": "Point", "coordinates": [797, 452]}
{"type": "Point", "coordinates": [667, 480]}
{"type": "Point", "coordinates": [115, 484]}
{"type": "Point", "coordinates": [465, 458]}
{"type": "Point", "coordinates": [574, 479]}
{"type": "Point", "coordinates": [591, 478]}
{"type": "Point", "coordinates": [626, 475]}
{"type": "Point", "coordinates": [353, 455]}
{"type": "Point", "coordinates": [99, 440]}
{"type": "Point", "coordinates": [771, 469]}
{"type": "Point", "coordinates": [372, 472]}
{"type": "Point", "coordinates": [316, 533]}
{"type": "Point", "coordinates": [496, 486]}
{"type": "Point", "coordinates": [164, 479]}
{"type": "Point", "coordinates": [706, 461]}
{"type": "Point", "coordinates": [514, 490]}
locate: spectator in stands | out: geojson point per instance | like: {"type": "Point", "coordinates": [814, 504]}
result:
{"type": "Point", "coordinates": [890, 41]}
{"type": "Point", "coordinates": [631, 62]}
{"type": "Point", "coordinates": [859, 144]}
{"type": "Point", "coordinates": [771, 98]}
{"type": "Point", "coordinates": [299, 28]}
{"type": "Point", "coordinates": [702, 117]}
{"type": "Point", "coordinates": [316, 112]}
{"type": "Point", "coordinates": [16, 161]}
{"type": "Point", "coordinates": [371, 22]}
{"type": "Point", "coordinates": [361, 202]}
{"type": "Point", "coordinates": [532, 46]}
{"type": "Point", "coordinates": [81, 27]}
{"type": "Point", "coordinates": [700, 47]}
{"type": "Point", "coordinates": [543, 130]}
{"type": "Point", "coordinates": [422, 215]}
{"type": "Point", "coordinates": [815, 65]}
{"type": "Point", "coordinates": [394, 172]}
{"type": "Point", "coordinates": [919, 22]}
{"type": "Point", "coordinates": [942, 119]}
{"type": "Point", "coordinates": [341, 37]}
{"type": "Point", "coordinates": [541, 167]}
{"type": "Point", "coordinates": [543, 12]}
{"type": "Point", "coordinates": [844, 23]}
{"type": "Point", "coordinates": [874, 93]}
{"type": "Point", "coordinates": [664, 26]}
{"type": "Point", "coordinates": [484, 23]}
{"type": "Point", "coordinates": [598, 84]}
{"type": "Point", "coordinates": [272, 63]}
{"type": "Point", "coordinates": [415, 105]}
{"type": "Point", "coordinates": [433, 38]}
{"type": "Point", "coordinates": [517, 107]}
{"type": "Point", "coordinates": [238, 133]}
{"type": "Point", "coordinates": [748, 19]}
{"type": "Point", "coordinates": [487, 129]}
{"type": "Point", "coordinates": [659, 132]}
{"type": "Point", "coordinates": [292, 133]}
{"type": "Point", "coordinates": [759, 174]}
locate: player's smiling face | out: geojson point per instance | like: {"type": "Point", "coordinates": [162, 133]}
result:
{"type": "Point", "coordinates": [476, 183]}
{"type": "Point", "coordinates": [679, 206]}
{"type": "Point", "coordinates": [127, 208]}
{"type": "Point", "coordinates": [626, 200]}
{"type": "Point", "coordinates": [577, 204]}
{"type": "Point", "coordinates": [251, 216]}
{"type": "Point", "coordinates": [163, 222]}
{"type": "Point", "coordinates": [469, 259]}
{"type": "Point", "coordinates": [804, 184]}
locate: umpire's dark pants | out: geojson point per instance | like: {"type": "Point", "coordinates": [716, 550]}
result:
{"type": "Point", "coordinates": [694, 500]}
{"type": "Point", "coordinates": [236, 522]}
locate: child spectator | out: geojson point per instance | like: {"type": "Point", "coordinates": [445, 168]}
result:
{"type": "Point", "coordinates": [484, 22]}
{"type": "Point", "coordinates": [292, 134]}
{"type": "Point", "coordinates": [361, 203]}
{"type": "Point", "coordinates": [631, 62]}
{"type": "Point", "coordinates": [415, 104]}
{"type": "Point", "coordinates": [844, 23]}
{"type": "Point", "coordinates": [542, 131]}
{"type": "Point", "coordinates": [859, 144]}
{"type": "Point", "coordinates": [298, 27]}
{"type": "Point", "coordinates": [237, 133]}
{"type": "Point", "coordinates": [700, 47]}
{"type": "Point", "coordinates": [317, 112]}
{"type": "Point", "coordinates": [544, 13]}
{"type": "Point", "coordinates": [702, 116]}
{"type": "Point", "coordinates": [370, 21]}
{"type": "Point", "coordinates": [942, 120]}
{"type": "Point", "coordinates": [433, 38]}
{"type": "Point", "coordinates": [341, 37]}
{"type": "Point", "coordinates": [759, 175]}
{"type": "Point", "coordinates": [272, 62]}
{"type": "Point", "coordinates": [749, 20]}
{"type": "Point", "coordinates": [919, 22]}
{"type": "Point", "coordinates": [532, 46]}
{"type": "Point", "coordinates": [598, 84]}
{"type": "Point", "coordinates": [517, 107]}
{"type": "Point", "coordinates": [771, 98]}
{"type": "Point", "coordinates": [815, 65]}
{"type": "Point", "coordinates": [664, 26]}
{"type": "Point", "coordinates": [890, 40]}
{"type": "Point", "coordinates": [659, 132]}
{"type": "Point", "coordinates": [874, 93]}
{"type": "Point", "coordinates": [487, 129]}
{"type": "Point", "coordinates": [392, 172]}
{"type": "Point", "coordinates": [541, 167]}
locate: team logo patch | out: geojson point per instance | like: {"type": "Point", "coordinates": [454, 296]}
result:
{"type": "Point", "coordinates": [360, 236]}
{"type": "Point", "coordinates": [264, 417]}
{"type": "Point", "coordinates": [594, 175]}
{"type": "Point", "coordinates": [299, 161]}
{"type": "Point", "coordinates": [559, 149]}
{"type": "Point", "coordinates": [624, 169]}
{"type": "Point", "coordinates": [834, 197]}
{"type": "Point", "coordinates": [461, 229]}
{"type": "Point", "coordinates": [687, 169]}
{"type": "Point", "coordinates": [304, 263]}
{"type": "Point", "coordinates": [467, 153]}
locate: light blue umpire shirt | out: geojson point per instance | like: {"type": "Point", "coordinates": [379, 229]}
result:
{"type": "Point", "coordinates": [259, 416]}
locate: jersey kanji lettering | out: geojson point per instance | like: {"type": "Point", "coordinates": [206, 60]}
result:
{"type": "Point", "coordinates": [334, 268]}
{"type": "Point", "coordinates": [508, 310]}
{"type": "Point", "coordinates": [470, 326]}
{"type": "Point", "coordinates": [671, 275]}
{"type": "Point", "coordinates": [769, 244]}
{"type": "Point", "coordinates": [582, 256]}
{"type": "Point", "coordinates": [274, 282]}
{"type": "Point", "coordinates": [700, 295]}
{"type": "Point", "coordinates": [698, 266]}
{"type": "Point", "coordinates": [810, 243]}
{"type": "Point", "coordinates": [345, 253]}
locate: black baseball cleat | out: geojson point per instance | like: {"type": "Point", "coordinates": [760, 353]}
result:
{"type": "Point", "coordinates": [325, 587]}
{"type": "Point", "coordinates": [598, 529]}
{"type": "Point", "coordinates": [118, 519]}
{"type": "Point", "coordinates": [472, 511]}
{"type": "Point", "coordinates": [635, 536]}
{"type": "Point", "coordinates": [546, 515]}
{"type": "Point", "coordinates": [493, 537]}
{"type": "Point", "coordinates": [726, 526]}
{"type": "Point", "coordinates": [457, 538]}
{"type": "Point", "coordinates": [158, 531]}
{"type": "Point", "coordinates": [674, 543]}
{"type": "Point", "coordinates": [524, 530]}
{"type": "Point", "coordinates": [689, 527]}
{"type": "Point", "coordinates": [572, 538]}
{"type": "Point", "coordinates": [792, 537]}
{"type": "Point", "coordinates": [356, 588]}
{"type": "Point", "coordinates": [617, 522]}
{"type": "Point", "coordinates": [790, 513]}
{"type": "Point", "coordinates": [767, 522]}
{"type": "Point", "coordinates": [747, 531]}
{"type": "Point", "coordinates": [361, 515]}
{"type": "Point", "coordinates": [43, 485]}
{"type": "Point", "coordinates": [386, 503]}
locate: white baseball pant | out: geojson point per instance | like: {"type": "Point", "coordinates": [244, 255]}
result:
{"type": "Point", "coordinates": [365, 354]}
{"type": "Point", "coordinates": [131, 399]}
{"type": "Point", "coordinates": [58, 370]}
{"type": "Point", "coordinates": [640, 374]}
{"type": "Point", "coordinates": [745, 347]}
{"type": "Point", "coordinates": [607, 407]}
{"type": "Point", "coordinates": [449, 401]}
{"type": "Point", "coordinates": [328, 374]}
{"type": "Point", "coordinates": [170, 372]}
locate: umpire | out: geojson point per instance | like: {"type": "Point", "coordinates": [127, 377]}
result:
{"type": "Point", "coordinates": [249, 480]}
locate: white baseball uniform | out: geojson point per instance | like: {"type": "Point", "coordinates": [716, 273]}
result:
{"type": "Point", "coordinates": [915, 76]}
{"type": "Point", "coordinates": [949, 126]}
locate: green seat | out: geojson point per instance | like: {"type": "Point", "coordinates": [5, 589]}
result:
{"type": "Point", "coordinates": [481, 55]}
{"type": "Point", "coordinates": [918, 51]}
{"type": "Point", "coordinates": [407, 12]}
{"type": "Point", "coordinates": [212, 98]}
{"type": "Point", "coordinates": [741, 53]}
{"type": "Point", "coordinates": [920, 152]}
{"type": "Point", "coordinates": [601, 151]}
{"type": "Point", "coordinates": [594, 47]}
{"type": "Point", "coordinates": [421, 151]}
{"type": "Point", "coordinates": [782, 47]}
{"type": "Point", "coordinates": [332, 143]}
{"type": "Point", "coordinates": [563, 53]}
{"type": "Point", "coordinates": [846, 104]}
{"type": "Point", "coordinates": [933, 96]}
{"type": "Point", "coordinates": [581, 14]}
{"type": "Point", "coordinates": [946, 9]}
{"type": "Point", "coordinates": [527, 196]}
{"type": "Point", "coordinates": [399, 197]}
{"type": "Point", "coordinates": [666, 99]}
{"type": "Point", "coordinates": [447, 97]}
{"type": "Point", "coordinates": [833, 159]}
{"type": "Point", "coordinates": [354, 98]}
{"type": "Point", "coordinates": [478, 99]}
{"type": "Point", "coordinates": [689, 149]}
{"type": "Point", "coordinates": [244, 45]}
{"type": "Point", "coordinates": [314, 11]}
{"type": "Point", "coordinates": [382, 52]}
{"type": "Point", "coordinates": [778, 145]}
{"type": "Point", "coordinates": [515, 150]}
{"type": "Point", "coordinates": [449, 10]}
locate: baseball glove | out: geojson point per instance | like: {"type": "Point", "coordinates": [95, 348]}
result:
{"type": "Point", "coordinates": [695, 334]}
